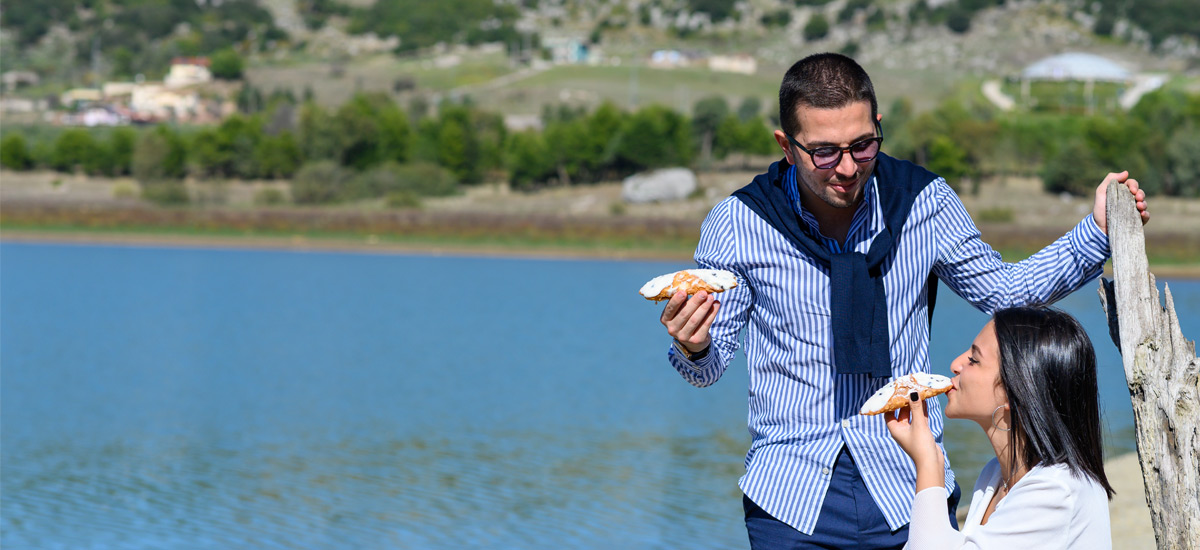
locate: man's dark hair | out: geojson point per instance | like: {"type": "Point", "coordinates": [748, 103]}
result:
{"type": "Point", "coordinates": [824, 81]}
{"type": "Point", "coordinates": [1048, 370]}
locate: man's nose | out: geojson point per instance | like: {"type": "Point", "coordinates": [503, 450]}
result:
{"type": "Point", "coordinates": [846, 165]}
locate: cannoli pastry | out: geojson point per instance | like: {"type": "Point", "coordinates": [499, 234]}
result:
{"type": "Point", "coordinates": [690, 281]}
{"type": "Point", "coordinates": [895, 394]}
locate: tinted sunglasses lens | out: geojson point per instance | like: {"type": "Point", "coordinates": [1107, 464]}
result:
{"type": "Point", "coordinates": [826, 157]}
{"type": "Point", "coordinates": [864, 151]}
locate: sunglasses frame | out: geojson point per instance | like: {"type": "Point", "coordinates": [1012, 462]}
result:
{"type": "Point", "coordinates": [842, 150]}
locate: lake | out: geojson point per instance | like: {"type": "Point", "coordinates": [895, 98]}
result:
{"type": "Point", "coordinates": [192, 398]}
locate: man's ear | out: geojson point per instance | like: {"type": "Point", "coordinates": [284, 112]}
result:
{"type": "Point", "coordinates": [782, 140]}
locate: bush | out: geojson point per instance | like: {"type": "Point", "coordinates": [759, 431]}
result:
{"type": "Point", "coordinates": [227, 65]}
{"type": "Point", "coordinates": [14, 155]}
{"type": "Point", "coordinates": [403, 199]}
{"type": "Point", "coordinates": [958, 20]}
{"type": "Point", "coordinates": [779, 18]}
{"type": "Point", "coordinates": [124, 190]}
{"type": "Point", "coordinates": [165, 193]}
{"type": "Point", "coordinates": [269, 197]}
{"type": "Point", "coordinates": [320, 182]}
{"type": "Point", "coordinates": [996, 215]}
{"type": "Point", "coordinates": [420, 179]}
{"type": "Point", "coordinates": [816, 28]}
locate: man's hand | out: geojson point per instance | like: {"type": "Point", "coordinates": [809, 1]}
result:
{"type": "Point", "coordinates": [688, 320]}
{"type": "Point", "coordinates": [1099, 210]}
{"type": "Point", "coordinates": [909, 426]}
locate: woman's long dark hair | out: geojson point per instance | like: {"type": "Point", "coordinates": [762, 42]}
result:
{"type": "Point", "coordinates": [1048, 369]}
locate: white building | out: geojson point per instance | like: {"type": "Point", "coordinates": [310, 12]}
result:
{"type": "Point", "coordinates": [188, 71]}
{"type": "Point", "coordinates": [737, 63]}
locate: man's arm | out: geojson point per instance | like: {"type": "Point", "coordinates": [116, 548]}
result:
{"type": "Point", "coordinates": [976, 272]}
{"type": "Point", "coordinates": [705, 328]}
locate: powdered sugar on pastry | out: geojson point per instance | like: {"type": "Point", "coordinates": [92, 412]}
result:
{"type": "Point", "coordinates": [896, 393]}
{"type": "Point", "coordinates": [689, 280]}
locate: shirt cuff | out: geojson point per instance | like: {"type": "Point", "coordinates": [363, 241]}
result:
{"type": "Point", "coordinates": [1090, 241]}
{"type": "Point", "coordinates": [699, 365]}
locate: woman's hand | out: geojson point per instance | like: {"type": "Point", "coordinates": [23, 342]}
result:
{"type": "Point", "coordinates": [909, 426]}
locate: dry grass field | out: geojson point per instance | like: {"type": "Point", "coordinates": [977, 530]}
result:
{"type": "Point", "coordinates": [1013, 214]}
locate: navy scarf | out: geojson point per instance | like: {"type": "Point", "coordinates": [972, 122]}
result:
{"type": "Point", "coordinates": [857, 302]}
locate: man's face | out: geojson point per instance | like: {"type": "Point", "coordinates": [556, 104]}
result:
{"type": "Point", "coordinates": [840, 186]}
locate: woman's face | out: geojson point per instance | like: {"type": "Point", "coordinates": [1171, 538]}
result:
{"type": "Point", "coordinates": [976, 389]}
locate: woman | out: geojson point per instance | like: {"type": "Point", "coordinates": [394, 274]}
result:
{"type": "Point", "coordinates": [1029, 380]}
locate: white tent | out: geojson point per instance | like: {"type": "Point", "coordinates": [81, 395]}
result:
{"type": "Point", "coordinates": [1077, 66]}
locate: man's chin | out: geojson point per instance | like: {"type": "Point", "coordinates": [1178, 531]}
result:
{"type": "Point", "coordinates": [844, 195]}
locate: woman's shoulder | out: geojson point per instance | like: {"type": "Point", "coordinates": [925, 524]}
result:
{"type": "Point", "coordinates": [1062, 477]}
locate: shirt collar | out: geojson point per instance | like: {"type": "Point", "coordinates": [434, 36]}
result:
{"type": "Point", "coordinates": [867, 217]}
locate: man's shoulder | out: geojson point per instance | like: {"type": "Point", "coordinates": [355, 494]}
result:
{"type": "Point", "coordinates": [898, 172]}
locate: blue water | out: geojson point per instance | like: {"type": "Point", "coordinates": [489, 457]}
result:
{"type": "Point", "coordinates": [167, 398]}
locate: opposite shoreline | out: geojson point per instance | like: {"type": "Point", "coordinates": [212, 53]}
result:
{"type": "Point", "coordinates": [299, 243]}
{"type": "Point", "coordinates": [373, 245]}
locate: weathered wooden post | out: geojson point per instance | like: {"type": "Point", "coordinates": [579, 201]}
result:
{"type": "Point", "coordinates": [1161, 369]}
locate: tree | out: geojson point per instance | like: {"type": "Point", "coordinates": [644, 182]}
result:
{"type": "Point", "coordinates": [1072, 169]}
{"type": "Point", "coordinates": [948, 160]}
{"type": "Point", "coordinates": [816, 28]}
{"type": "Point", "coordinates": [452, 150]}
{"type": "Point", "coordinates": [749, 108]}
{"type": "Point", "coordinates": [528, 160]}
{"type": "Point", "coordinates": [707, 114]}
{"type": "Point", "coordinates": [120, 151]}
{"type": "Point", "coordinates": [13, 153]}
{"type": "Point", "coordinates": [654, 137]}
{"type": "Point", "coordinates": [76, 148]}
{"type": "Point", "coordinates": [159, 154]}
{"type": "Point", "coordinates": [226, 64]}
{"type": "Point", "coordinates": [458, 144]}
{"type": "Point", "coordinates": [1183, 159]}
{"type": "Point", "coordinates": [318, 135]}
{"type": "Point", "coordinates": [278, 156]}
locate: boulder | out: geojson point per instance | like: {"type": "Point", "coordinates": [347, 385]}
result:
{"type": "Point", "coordinates": [667, 184]}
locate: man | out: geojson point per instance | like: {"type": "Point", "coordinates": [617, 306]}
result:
{"type": "Point", "coordinates": [835, 246]}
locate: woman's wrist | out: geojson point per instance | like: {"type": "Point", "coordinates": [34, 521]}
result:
{"type": "Point", "coordinates": [930, 474]}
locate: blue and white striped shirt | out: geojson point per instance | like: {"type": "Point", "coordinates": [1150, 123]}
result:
{"type": "Point", "coordinates": [800, 411]}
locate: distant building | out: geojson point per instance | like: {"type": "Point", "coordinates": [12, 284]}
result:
{"type": "Point", "coordinates": [737, 63]}
{"type": "Point", "coordinates": [16, 79]}
{"type": "Point", "coordinates": [118, 90]}
{"type": "Point", "coordinates": [157, 101]}
{"type": "Point", "coordinates": [674, 59]}
{"type": "Point", "coordinates": [520, 123]}
{"type": "Point", "coordinates": [188, 71]}
{"type": "Point", "coordinates": [566, 50]}
{"type": "Point", "coordinates": [80, 96]}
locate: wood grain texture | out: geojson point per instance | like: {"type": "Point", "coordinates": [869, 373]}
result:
{"type": "Point", "coordinates": [1161, 369]}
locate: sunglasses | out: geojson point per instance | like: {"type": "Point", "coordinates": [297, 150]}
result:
{"type": "Point", "coordinates": [824, 158]}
